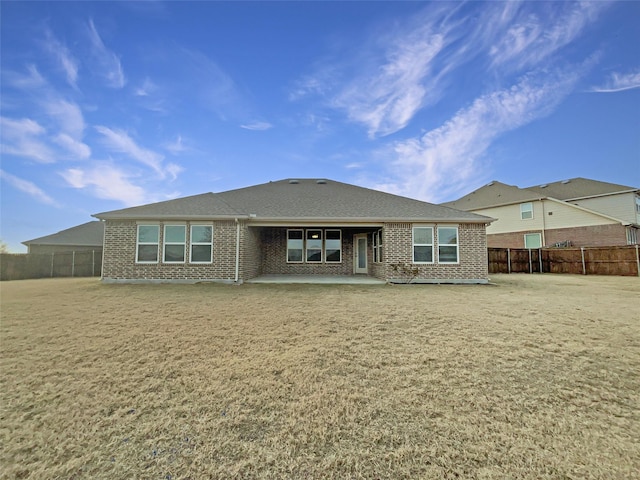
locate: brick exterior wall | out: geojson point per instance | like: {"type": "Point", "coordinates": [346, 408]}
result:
{"type": "Point", "coordinates": [593, 236]}
{"type": "Point", "coordinates": [472, 254]}
{"type": "Point", "coordinates": [263, 250]}
{"type": "Point", "coordinates": [119, 261]}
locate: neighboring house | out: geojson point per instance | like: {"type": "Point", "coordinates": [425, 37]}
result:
{"type": "Point", "coordinates": [577, 212]}
{"type": "Point", "coordinates": [86, 237]}
{"type": "Point", "coordinates": [292, 227]}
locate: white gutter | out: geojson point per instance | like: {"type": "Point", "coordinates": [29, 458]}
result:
{"type": "Point", "coordinates": [237, 250]}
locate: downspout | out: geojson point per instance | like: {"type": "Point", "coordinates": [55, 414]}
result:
{"type": "Point", "coordinates": [544, 242]}
{"type": "Point", "coordinates": [237, 251]}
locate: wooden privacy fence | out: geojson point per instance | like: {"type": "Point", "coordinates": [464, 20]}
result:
{"type": "Point", "coordinates": [582, 260]}
{"type": "Point", "coordinates": [41, 265]}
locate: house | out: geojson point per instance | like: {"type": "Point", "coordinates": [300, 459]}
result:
{"type": "Point", "coordinates": [294, 227]}
{"type": "Point", "coordinates": [81, 238]}
{"type": "Point", "coordinates": [577, 212]}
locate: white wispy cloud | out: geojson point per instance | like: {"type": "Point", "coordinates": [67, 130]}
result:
{"type": "Point", "coordinates": [449, 155]}
{"type": "Point", "coordinates": [68, 115]}
{"type": "Point", "coordinates": [257, 126]}
{"type": "Point", "coordinates": [618, 82]}
{"type": "Point", "coordinates": [30, 80]}
{"type": "Point", "coordinates": [386, 99]}
{"type": "Point", "coordinates": [531, 38]}
{"type": "Point", "coordinates": [177, 146]}
{"type": "Point", "coordinates": [107, 181]}
{"type": "Point", "coordinates": [107, 62]}
{"type": "Point", "coordinates": [27, 187]}
{"type": "Point", "coordinates": [63, 56]}
{"type": "Point", "coordinates": [76, 148]}
{"type": "Point", "coordinates": [24, 138]}
{"type": "Point", "coordinates": [119, 141]}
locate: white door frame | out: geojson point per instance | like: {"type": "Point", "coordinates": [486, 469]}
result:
{"type": "Point", "coordinates": [356, 254]}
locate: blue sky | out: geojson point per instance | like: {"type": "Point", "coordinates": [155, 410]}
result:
{"type": "Point", "coordinates": [113, 104]}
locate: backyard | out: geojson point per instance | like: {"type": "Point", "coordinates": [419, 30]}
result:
{"type": "Point", "coordinates": [533, 376]}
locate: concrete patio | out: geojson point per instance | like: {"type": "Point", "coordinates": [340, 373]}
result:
{"type": "Point", "coordinates": [319, 279]}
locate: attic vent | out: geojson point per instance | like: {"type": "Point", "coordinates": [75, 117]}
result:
{"type": "Point", "coordinates": [564, 182]}
{"type": "Point", "coordinates": [293, 181]}
{"type": "Point", "coordinates": [544, 186]}
{"type": "Point", "coordinates": [320, 181]}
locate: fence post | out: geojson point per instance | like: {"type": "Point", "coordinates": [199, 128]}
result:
{"type": "Point", "coordinates": [508, 260]}
{"type": "Point", "coordinates": [584, 269]}
{"type": "Point", "coordinates": [638, 260]}
{"type": "Point", "coordinates": [93, 263]}
{"type": "Point", "coordinates": [73, 263]}
{"type": "Point", "coordinates": [540, 258]}
{"type": "Point", "coordinates": [530, 264]}
{"type": "Point", "coordinates": [52, 254]}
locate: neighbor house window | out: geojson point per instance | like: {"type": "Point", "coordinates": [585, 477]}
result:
{"type": "Point", "coordinates": [526, 211]}
{"type": "Point", "coordinates": [175, 243]}
{"type": "Point", "coordinates": [447, 245]}
{"type": "Point", "coordinates": [295, 245]}
{"type": "Point", "coordinates": [201, 244]}
{"type": "Point", "coordinates": [314, 246]}
{"type": "Point", "coordinates": [148, 242]}
{"type": "Point", "coordinates": [333, 246]}
{"type": "Point", "coordinates": [377, 247]}
{"type": "Point", "coordinates": [422, 244]}
{"type": "Point", "coordinates": [532, 240]}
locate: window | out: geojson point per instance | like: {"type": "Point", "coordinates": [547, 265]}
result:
{"type": "Point", "coordinates": [532, 240]}
{"type": "Point", "coordinates": [147, 244]}
{"type": "Point", "coordinates": [377, 246]}
{"type": "Point", "coordinates": [526, 211]}
{"type": "Point", "coordinates": [174, 243]}
{"type": "Point", "coordinates": [632, 235]}
{"type": "Point", "coordinates": [422, 244]}
{"type": "Point", "coordinates": [314, 246]}
{"type": "Point", "coordinates": [333, 246]}
{"type": "Point", "coordinates": [447, 245]}
{"type": "Point", "coordinates": [295, 244]}
{"type": "Point", "coordinates": [201, 244]}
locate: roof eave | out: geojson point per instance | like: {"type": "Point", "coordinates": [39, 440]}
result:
{"type": "Point", "coordinates": [107, 216]}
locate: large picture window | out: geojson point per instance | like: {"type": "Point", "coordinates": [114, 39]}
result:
{"type": "Point", "coordinates": [314, 246]}
{"type": "Point", "coordinates": [201, 244]}
{"type": "Point", "coordinates": [295, 245]}
{"type": "Point", "coordinates": [422, 244]}
{"type": "Point", "coordinates": [148, 241]}
{"type": "Point", "coordinates": [447, 245]}
{"type": "Point", "coordinates": [175, 243]}
{"type": "Point", "coordinates": [333, 246]}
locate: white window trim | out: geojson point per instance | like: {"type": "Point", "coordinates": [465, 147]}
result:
{"type": "Point", "coordinates": [531, 234]}
{"type": "Point", "coordinates": [523, 210]}
{"type": "Point", "coordinates": [192, 243]}
{"type": "Point", "coordinates": [414, 244]}
{"type": "Point", "coordinates": [302, 255]}
{"type": "Point", "coordinates": [457, 245]}
{"type": "Point", "coordinates": [138, 243]}
{"type": "Point", "coordinates": [325, 245]}
{"type": "Point", "coordinates": [165, 243]}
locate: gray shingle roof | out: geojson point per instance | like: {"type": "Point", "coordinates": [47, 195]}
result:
{"type": "Point", "coordinates": [575, 188]}
{"type": "Point", "coordinates": [89, 234]}
{"type": "Point", "coordinates": [299, 200]}
{"type": "Point", "coordinates": [495, 193]}
{"type": "Point", "coordinates": [492, 195]}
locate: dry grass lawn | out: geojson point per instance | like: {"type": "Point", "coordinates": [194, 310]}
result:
{"type": "Point", "coordinates": [536, 376]}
